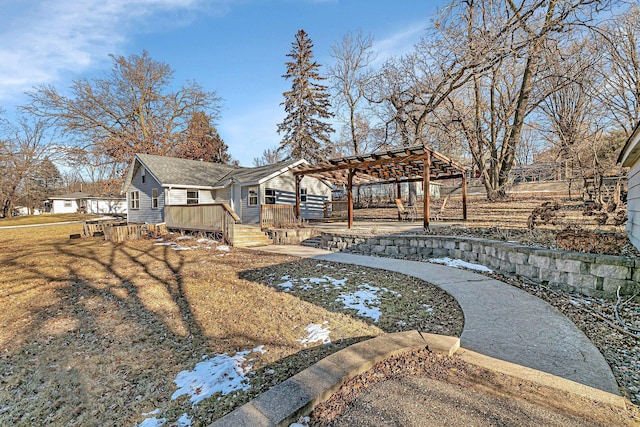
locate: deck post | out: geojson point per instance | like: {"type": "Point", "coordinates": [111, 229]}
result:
{"type": "Point", "coordinates": [298, 179]}
{"type": "Point", "coordinates": [426, 185]}
{"type": "Point", "coordinates": [350, 198]}
{"type": "Point", "coordinates": [464, 196]}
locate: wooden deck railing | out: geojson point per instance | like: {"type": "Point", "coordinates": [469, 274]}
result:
{"type": "Point", "coordinates": [277, 215]}
{"type": "Point", "coordinates": [214, 218]}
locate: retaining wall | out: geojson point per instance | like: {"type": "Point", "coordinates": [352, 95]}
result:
{"type": "Point", "coordinates": [291, 236]}
{"type": "Point", "coordinates": [589, 274]}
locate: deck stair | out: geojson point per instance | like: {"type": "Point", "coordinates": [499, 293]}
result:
{"type": "Point", "coordinates": [247, 236]}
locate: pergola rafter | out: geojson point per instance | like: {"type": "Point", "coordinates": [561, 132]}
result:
{"type": "Point", "coordinates": [406, 164]}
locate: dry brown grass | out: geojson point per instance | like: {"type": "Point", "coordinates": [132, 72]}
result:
{"type": "Point", "coordinates": [43, 219]}
{"type": "Point", "coordinates": [93, 333]}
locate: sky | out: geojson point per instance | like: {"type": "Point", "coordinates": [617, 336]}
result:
{"type": "Point", "coordinates": [236, 48]}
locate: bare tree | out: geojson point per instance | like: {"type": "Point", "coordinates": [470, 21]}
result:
{"type": "Point", "coordinates": [349, 76]}
{"type": "Point", "coordinates": [23, 146]}
{"type": "Point", "coordinates": [269, 157]}
{"type": "Point", "coordinates": [493, 107]}
{"type": "Point", "coordinates": [620, 43]}
{"type": "Point", "coordinates": [133, 109]}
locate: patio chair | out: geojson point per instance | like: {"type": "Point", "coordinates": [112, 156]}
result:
{"type": "Point", "coordinates": [405, 213]}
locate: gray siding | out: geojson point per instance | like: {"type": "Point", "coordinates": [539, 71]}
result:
{"type": "Point", "coordinates": [178, 196]}
{"type": "Point", "coordinates": [317, 194]}
{"type": "Point", "coordinates": [223, 195]}
{"type": "Point", "coordinates": [145, 214]}
{"type": "Point", "coordinates": [633, 205]}
{"type": "Point", "coordinates": [250, 214]}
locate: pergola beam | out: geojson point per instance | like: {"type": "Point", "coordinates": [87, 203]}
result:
{"type": "Point", "coordinates": [407, 164]}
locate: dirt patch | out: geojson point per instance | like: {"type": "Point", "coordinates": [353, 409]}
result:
{"type": "Point", "coordinates": [478, 396]}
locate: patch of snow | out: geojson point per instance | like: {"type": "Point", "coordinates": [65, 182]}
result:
{"type": "Point", "coordinates": [259, 349]}
{"type": "Point", "coordinates": [302, 422]}
{"type": "Point", "coordinates": [315, 280]}
{"type": "Point", "coordinates": [287, 286]}
{"type": "Point", "coordinates": [152, 422]}
{"type": "Point", "coordinates": [183, 421]}
{"type": "Point", "coordinates": [458, 263]}
{"type": "Point", "coordinates": [184, 238]}
{"type": "Point", "coordinates": [182, 248]}
{"type": "Point", "coordinates": [316, 332]}
{"type": "Point", "coordinates": [154, 412]}
{"type": "Point", "coordinates": [164, 244]}
{"type": "Point", "coordinates": [223, 248]}
{"type": "Point", "coordinates": [207, 241]}
{"type": "Point", "coordinates": [222, 374]}
{"type": "Point", "coordinates": [364, 301]}
{"type": "Point", "coordinates": [285, 277]}
{"type": "Point", "coordinates": [428, 308]}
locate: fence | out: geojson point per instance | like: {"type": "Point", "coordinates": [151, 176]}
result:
{"type": "Point", "coordinates": [215, 218]}
{"type": "Point", "coordinates": [277, 215]}
{"type": "Point", "coordinates": [335, 209]}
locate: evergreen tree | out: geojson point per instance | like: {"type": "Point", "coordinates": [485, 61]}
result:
{"type": "Point", "coordinates": [305, 135]}
{"type": "Point", "coordinates": [202, 141]}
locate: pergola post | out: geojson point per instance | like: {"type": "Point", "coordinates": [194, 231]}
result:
{"type": "Point", "coordinates": [464, 196]}
{"type": "Point", "coordinates": [350, 197]}
{"type": "Point", "coordinates": [298, 179]}
{"type": "Point", "coordinates": [426, 185]}
{"type": "Point", "coordinates": [399, 196]}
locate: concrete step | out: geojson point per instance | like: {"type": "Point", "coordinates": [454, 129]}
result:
{"type": "Point", "coordinates": [247, 236]}
{"type": "Point", "coordinates": [312, 242]}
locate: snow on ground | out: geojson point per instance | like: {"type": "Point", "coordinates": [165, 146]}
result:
{"type": "Point", "coordinates": [316, 332]}
{"type": "Point", "coordinates": [220, 374]}
{"type": "Point", "coordinates": [458, 263]}
{"type": "Point", "coordinates": [223, 248]}
{"type": "Point", "coordinates": [152, 422]}
{"type": "Point", "coordinates": [183, 421]}
{"type": "Point", "coordinates": [365, 301]}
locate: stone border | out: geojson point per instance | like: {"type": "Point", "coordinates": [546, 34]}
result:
{"type": "Point", "coordinates": [589, 274]}
{"type": "Point", "coordinates": [284, 403]}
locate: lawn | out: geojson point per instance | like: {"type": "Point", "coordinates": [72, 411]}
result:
{"type": "Point", "coordinates": [96, 333]}
{"type": "Point", "coordinates": [43, 219]}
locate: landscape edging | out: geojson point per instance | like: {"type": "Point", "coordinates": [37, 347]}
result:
{"type": "Point", "coordinates": [589, 274]}
{"type": "Point", "coordinates": [284, 403]}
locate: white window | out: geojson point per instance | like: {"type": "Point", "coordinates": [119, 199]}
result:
{"type": "Point", "coordinates": [143, 175]}
{"type": "Point", "coordinates": [154, 198]}
{"type": "Point", "coordinates": [192, 197]}
{"type": "Point", "coordinates": [269, 196]}
{"type": "Point", "coordinates": [253, 196]}
{"type": "Point", "coordinates": [134, 200]}
{"type": "Point", "coordinates": [67, 203]}
{"type": "Point", "coordinates": [303, 194]}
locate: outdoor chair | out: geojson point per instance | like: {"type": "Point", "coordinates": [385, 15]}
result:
{"type": "Point", "coordinates": [405, 213]}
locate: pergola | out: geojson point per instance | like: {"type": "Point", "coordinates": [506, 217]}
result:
{"type": "Point", "coordinates": [406, 164]}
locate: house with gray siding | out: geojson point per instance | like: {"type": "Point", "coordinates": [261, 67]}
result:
{"type": "Point", "coordinates": [630, 157]}
{"type": "Point", "coordinates": [154, 182]}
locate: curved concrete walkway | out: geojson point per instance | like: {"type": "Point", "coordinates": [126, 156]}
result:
{"type": "Point", "coordinates": [501, 321]}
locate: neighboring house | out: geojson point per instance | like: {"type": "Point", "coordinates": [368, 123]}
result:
{"type": "Point", "coordinates": [24, 210]}
{"type": "Point", "coordinates": [154, 182]}
{"type": "Point", "coordinates": [88, 203]}
{"type": "Point", "coordinates": [630, 157]}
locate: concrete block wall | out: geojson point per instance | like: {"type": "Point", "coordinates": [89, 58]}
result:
{"type": "Point", "coordinates": [589, 274]}
{"type": "Point", "coordinates": [291, 236]}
